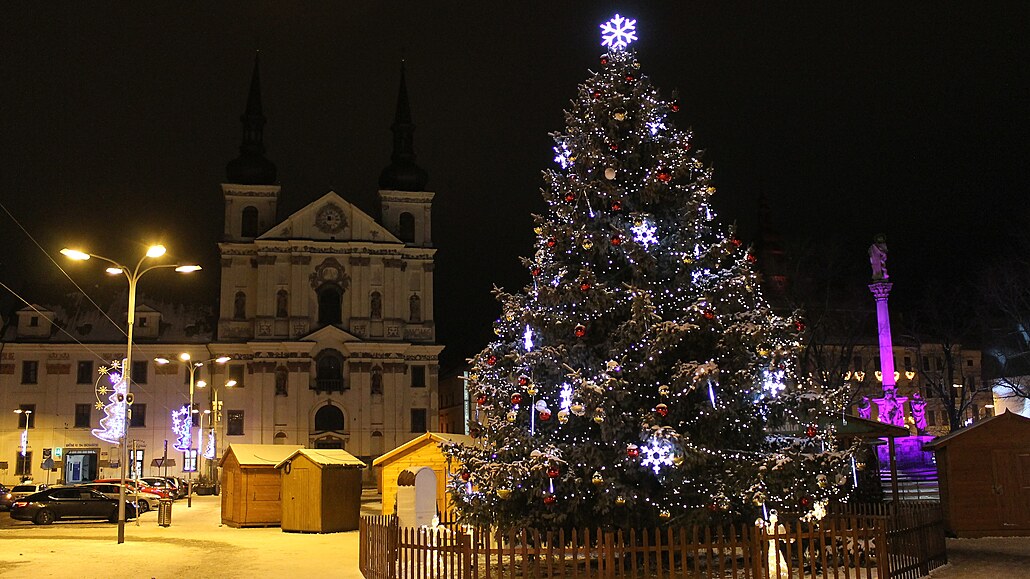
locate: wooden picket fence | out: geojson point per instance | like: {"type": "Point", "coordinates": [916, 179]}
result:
{"type": "Point", "coordinates": [854, 545]}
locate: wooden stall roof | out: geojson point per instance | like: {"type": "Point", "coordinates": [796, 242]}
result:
{"type": "Point", "coordinates": [427, 438]}
{"type": "Point", "coordinates": [850, 426]}
{"type": "Point", "coordinates": [985, 423]}
{"type": "Point", "coordinates": [326, 458]}
{"type": "Point", "coordinates": [259, 454]}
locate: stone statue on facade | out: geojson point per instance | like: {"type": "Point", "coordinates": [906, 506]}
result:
{"type": "Point", "coordinates": [878, 258]}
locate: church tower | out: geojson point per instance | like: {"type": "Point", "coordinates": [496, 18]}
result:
{"type": "Point", "coordinates": [250, 192]}
{"type": "Point", "coordinates": [406, 206]}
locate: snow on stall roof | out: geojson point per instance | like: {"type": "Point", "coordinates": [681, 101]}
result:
{"type": "Point", "coordinates": [259, 454]}
{"type": "Point", "coordinates": [326, 457]}
{"type": "Point", "coordinates": [436, 437]}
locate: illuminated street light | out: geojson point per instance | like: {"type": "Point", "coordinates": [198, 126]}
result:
{"type": "Point", "coordinates": [132, 276]}
{"type": "Point", "coordinates": [192, 366]}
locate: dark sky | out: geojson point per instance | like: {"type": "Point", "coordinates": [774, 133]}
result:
{"type": "Point", "coordinates": [851, 118]}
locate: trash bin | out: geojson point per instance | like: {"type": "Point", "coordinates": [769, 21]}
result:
{"type": "Point", "coordinates": [164, 512]}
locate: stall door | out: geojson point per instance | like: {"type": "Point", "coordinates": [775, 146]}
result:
{"type": "Point", "coordinates": [1012, 487]}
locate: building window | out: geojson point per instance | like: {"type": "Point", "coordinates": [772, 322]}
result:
{"type": "Point", "coordinates": [328, 418]}
{"type": "Point", "coordinates": [418, 376]}
{"type": "Point", "coordinates": [34, 322]}
{"type": "Point", "coordinates": [139, 371]}
{"type": "Point", "coordinates": [329, 371]}
{"type": "Point", "coordinates": [415, 305]}
{"type": "Point", "coordinates": [29, 372]}
{"type": "Point", "coordinates": [235, 423]}
{"type": "Point", "coordinates": [27, 416]}
{"type": "Point", "coordinates": [236, 372]}
{"type": "Point", "coordinates": [908, 362]}
{"type": "Point", "coordinates": [84, 373]}
{"type": "Point", "coordinates": [418, 420]}
{"type": "Point", "coordinates": [239, 306]}
{"type": "Point", "coordinates": [375, 306]}
{"type": "Point", "coordinates": [249, 222]}
{"type": "Point", "coordinates": [143, 321]}
{"type": "Point", "coordinates": [931, 418]}
{"type": "Point", "coordinates": [330, 304]}
{"type": "Point", "coordinates": [377, 379]}
{"type": "Point", "coordinates": [969, 363]}
{"type": "Point", "coordinates": [282, 304]}
{"type": "Point", "coordinates": [23, 464]}
{"type": "Point", "coordinates": [189, 460]}
{"type": "Point", "coordinates": [406, 227]}
{"type": "Point", "coordinates": [83, 412]}
{"type": "Point", "coordinates": [138, 416]}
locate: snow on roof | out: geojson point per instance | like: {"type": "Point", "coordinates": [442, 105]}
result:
{"type": "Point", "coordinates": [259, 454]}
{"type": "Point", "coordinates": [436, 437]}
{"type": "Point", "coordinates": [325, 457]}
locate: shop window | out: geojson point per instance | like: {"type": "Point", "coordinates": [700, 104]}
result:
{"type": "Point", "coordinates": [138, 416]}
{"type": "Point", "coordinates": [235, 423]}
{"type": "Point", "coordinates": [84, 372]}
{"type": "Point", "coordinates": [29, 372]}
{"type": "Point", "coordinates": [83, 412]}
{"type": "Point", "coordinates": [189, 460]}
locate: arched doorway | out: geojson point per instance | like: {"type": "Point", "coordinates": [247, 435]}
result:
{"type": "Point", "coordinates": [330, 427]}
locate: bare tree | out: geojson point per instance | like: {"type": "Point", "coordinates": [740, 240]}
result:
{"type": "Point", "coordinates": [1005, 289]}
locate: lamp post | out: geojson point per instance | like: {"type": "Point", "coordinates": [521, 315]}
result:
{"type": "Point", "coordinates": [216, 410]}
{"type": "Point", "coordinates": [133, 276]}
{"type": "Point", "coordinates": [24, 434]}
{"type": "Point", "coordinates": [192, 366]}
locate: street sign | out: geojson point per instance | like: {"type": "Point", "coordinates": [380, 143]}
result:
{"type": "Point", "coordinates": [47, 453]}
{"type": "Point", "coordinates": [58, 452]}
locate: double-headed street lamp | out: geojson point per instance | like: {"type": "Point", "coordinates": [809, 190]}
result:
{"type": "Point", "coordinates": [133, 276]}
{"type": "Point", "coordinates": [192, 366]}
{"type": "Point", "coordinates": [216, 417]}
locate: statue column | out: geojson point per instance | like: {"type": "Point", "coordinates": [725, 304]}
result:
{"type": "Point", "coordinates": [881, 290]}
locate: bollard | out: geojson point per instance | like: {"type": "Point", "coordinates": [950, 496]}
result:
{"type": "Point", "coordinates": [164, 512]}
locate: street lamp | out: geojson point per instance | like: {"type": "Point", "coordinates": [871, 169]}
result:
{"type": "Point", "coordinates": [133, 276]}
{"type": "Point", "coordinates": [192, 366]}
{"type": "Point", "coordinates": [216, 409]}
{"type": "Point", "coordinates": [25, 433]}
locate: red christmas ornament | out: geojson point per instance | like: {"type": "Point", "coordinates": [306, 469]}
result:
{"type": "Point", "coordinates": [481, 399]}
{"type": "Point", "coordinates": [474, 432]}
{"type": "Point", "coordinates": [536, 271]}
{"type": "Point", "coordinates": [613, 147]}
{"type": "Point", "coordinates": [751, 258]}
{"type": "Point", "coordinates": [616, 205]}
{"type": "Point", "coordinates": [465, 475]}
{"type": "Point", "coordinates": [805, 501]}
{"type": "Point", "coordinates": [516, 398]}
{"type": "Point", "coordinates": [569, 197]}
{"type": "Point", "coordinates": [545, 415]}
{"type": "Point", "coordinates": [709, 314]}
{"type": "Point", "coordinates": [616, 240]}
{"type": "Point", "coordinates": [686, 146]}
{"type": "Point", "coordinates": [632, 452]}
{"type": "Point", "coordinates": [553, 472]}
{"type": "Point", "coordinates": [664, 176]}
{"type": "Point", "coordinates": [629, 78]}
{"type": "Point", "coordinates": [811, 431]}
{"type": "Point", "coordinates": [799, 325]}
{"type": "Point", "coordinates": [580, 330]}
{"type": "Point", "coordinates": [585, 286]}
{"type": "Point", "coordinates": [713, 507]}
{"type": "Point", "coordinates": [604, 60]}
{"type": "Point", "coordinates": [491, 360]}
{"type": "Point", "coordinates": [675, 106]}
{"type": "Point", "coordinates": [596, 94]}
{"type": "Point", "coordinates": [550, 500]}
{"type": "Point", "coordinates": [662, 410]}
{"type": "Point", "coordinates": [551, 242]}
{"type": "Point", "coordinates": [736, 242]}
{"type": "Point", "coordinates": [523, 380]}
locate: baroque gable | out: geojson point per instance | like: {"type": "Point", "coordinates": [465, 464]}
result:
{"type": "Point", "coordinates": [330, 218]}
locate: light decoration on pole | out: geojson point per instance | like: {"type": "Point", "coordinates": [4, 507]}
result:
{"type": "Point", "coordinates": [111, 384]}
{"type": "Point", "coordinates": [182, 426]}
{"type": "Point", "coordinates": [618, 32]}
{"type": "Point", "coordinates": [209, 450]}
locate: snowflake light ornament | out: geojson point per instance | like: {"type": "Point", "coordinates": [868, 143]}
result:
{"type": "Point", "coordinates": [618, 32]}
{"type": "Point", "coordinates": [644, 232]}
{"type": "Point", "coordinates": [656, 454]}
{"type": "Point", "coordinates": [774, 381]}
{"type": "Point", "coordinates": [565, 396]}
{"type": "Point", "coordinates": [563, 156]}
{"type": "Point", "coordinates": [527, 339]}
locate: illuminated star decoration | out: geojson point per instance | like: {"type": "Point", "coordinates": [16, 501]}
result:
{"type": "Point", "coordinates": [209, 450]}
{"type": "Point", "coordinates": [656, 455]}
{"type": "Point", "coordinates": [566, 396]}
{"type": "Point", "coordinates": [183, 428]}
{"type": "Point", "coordinates": [112, 425]}
{"type": "Point", "coordinates": [618, 32]}
{"type": "Point", "coordinates": [644, 233]}
{"type": "Point", "coordinates": [24, 442]}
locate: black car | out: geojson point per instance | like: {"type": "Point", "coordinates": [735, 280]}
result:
{"type": "Point", "coordinates": [47, 506]}
{"type": "Point", "coordinates": [5, 498]}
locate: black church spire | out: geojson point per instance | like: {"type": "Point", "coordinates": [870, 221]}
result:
{"type": "Point", "coordinates": [403, 174]}
{"type": "Point", "coordinates": [251, 167]}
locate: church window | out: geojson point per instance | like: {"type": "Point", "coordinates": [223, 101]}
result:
{"type": "Point", "coordinates": [282, 376]}
{"type": "Point", "coordinates": [249, 225]}
{"type": "Point", "coordinates": [415, 305]}
{"type": "Point", "coordinates": [330, 304]}
{"type": "Point", "coordinates": [282, 303]}
{"type": "Point", "coordinates": [406, 227]}
{"type": "Point", "coordinates": [239, 306]}
{"type": "Point", "coordinates": [329, 417]}
{"type": "Point", "coordinates": [329, 371]}
{"type": "Point", "coordinates": [377, 380]}
{"type": "Point", "coordinates": [376, 306]}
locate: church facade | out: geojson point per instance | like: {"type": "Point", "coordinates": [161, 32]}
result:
{"type": "Point", "coordinates": [326, 317]}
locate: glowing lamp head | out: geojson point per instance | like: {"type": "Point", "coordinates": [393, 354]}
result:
{"type": "Point", "coordinates": [188, 268]}
{"type": "Point", "coordinates": [115, 270]}
{"type": "Point", "coordinates": [162, 361]}
{"type": "Point", "coordinates": [201, 384]}
{"type": "Point", "coordinates": [230, 383]}
{"type": "Point", "coordinates": [222, 359]}
{"type": "Point", "coordinates": [75, 254]}
{"type": "Point", "coordinates": [185, 357]}
{"type": "Point", "coordinates": [156, 251]}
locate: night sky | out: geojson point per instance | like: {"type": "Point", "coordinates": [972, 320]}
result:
{"type": "Point", "coordinates": [851, 118]}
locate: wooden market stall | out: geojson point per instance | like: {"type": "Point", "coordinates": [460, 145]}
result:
{"type": "Point", "coordinates": [423, 451]}
{"type": "Point", "coordinates": [251, 486]}
{"type": "Point", "coordinates": [984, 473]}
{"type": "Point", "coordinates": [321, 491]}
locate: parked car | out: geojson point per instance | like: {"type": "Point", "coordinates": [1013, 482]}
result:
{"type": "Point", "coordinates": [144, 501]}
{"type": "Point", "coordinates": [75, 502]}
{"type": "Point", "coordinates": [161, 492]}
{"type": "Point", "coordinates": [163, 483]}
{"type": "Point", "coordinates": [26, 489]}
{"type": "Point", "coordinates": [5, 498]}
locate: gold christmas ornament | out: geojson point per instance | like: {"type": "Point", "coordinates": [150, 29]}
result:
{"type": "Point", "coordinates": [619, 115]}
{"type": "Point", "coordinates": [663, 390]}
{"type": "Point", "coordinates": [578, 409]}
{"type": "Point", "coordinates": [664, 515]}
{"type": "Point", "coordinates": [531, 390]}
{"type": "Point", "coordinates": [538, 230]}
{"type": "Point", "coordinates": [599, 415]}
{"type": "Point", "coordinates": [504, 493]}
{"type": "Point", "coordinates": [563, 416]}
{"type": "Point", "coordinates": [512, 416]}
{"type": "Point", "coordinates": [587, 243]}
{"type": "Point", "coordinates": [620, 500]}
{"type": "Point", "coordinates": [597, 479]}
{"type": "Point", "coordinates": [609, 173]}
{"type": "Point", "coordinates": [687, 259]}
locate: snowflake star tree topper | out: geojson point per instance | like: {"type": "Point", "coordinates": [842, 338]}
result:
{"type": "Point", "coordinates": [618, 32]}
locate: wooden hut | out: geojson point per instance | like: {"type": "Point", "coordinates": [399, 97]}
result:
{"type": "Point", "coordinates": [321, 490]}
{"type": "Point", "coordinates": [418, 452]}
{"type": "Point", "coordinates": [984, 473]}
{"type": "Point", "coordinates": [251, 489]}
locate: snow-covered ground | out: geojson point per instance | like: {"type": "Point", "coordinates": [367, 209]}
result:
{"type": "Point", "coordinates": [196, 546]}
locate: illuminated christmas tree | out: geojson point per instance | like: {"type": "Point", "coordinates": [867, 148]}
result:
{"type": "Point", "coordinates": [641, 377]}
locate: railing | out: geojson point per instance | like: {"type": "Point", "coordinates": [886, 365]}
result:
{"type": "Point", "coordinates": [866, 542]}
{"type": "Point", "coordinates": [328, 385]}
